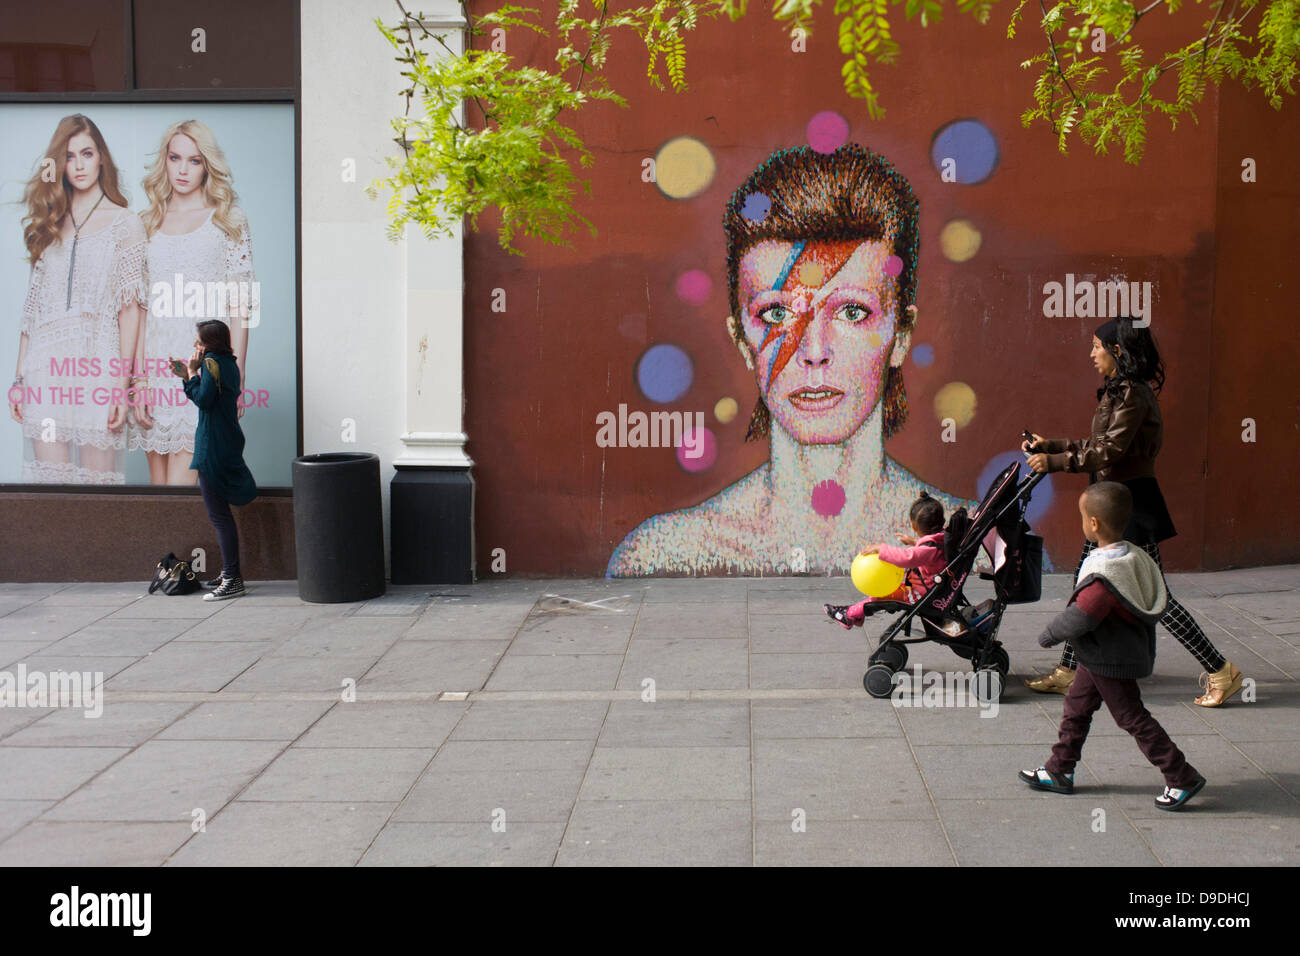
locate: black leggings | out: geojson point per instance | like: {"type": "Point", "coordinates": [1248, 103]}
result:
{"type": "Point", "coordinates": [1177, 620]}
{"type": "Point", "coordinates": [224, 524]}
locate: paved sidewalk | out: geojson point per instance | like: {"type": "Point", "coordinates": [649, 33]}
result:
{"type": "Point", "coordinates": [503, 723]}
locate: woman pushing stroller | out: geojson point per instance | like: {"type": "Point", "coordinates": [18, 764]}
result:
{"type": "Point", "coordinates": [1126, 436]}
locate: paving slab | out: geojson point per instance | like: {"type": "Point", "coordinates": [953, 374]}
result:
{"type": "Point", "coordinates": [851, 843]}
{"type": "Point", "coordinates": [432, 667]}
{"type": "Point", "coordinates": [50, 773]}
{"type": "Point", "coordinates": [165, 780]}
{"type": "Point", "coordinates": [668, 773]}
{"type": "Point", "coordinates": [125, 723]}
{"type": "Point", "coordinates": [524, 796]}
{"type": "Point", "coordinates": [676, 723]}
{"type": "Point", "coordinates": [1061, 831]}
{"type": "Point", "coordinates": [333, 774]}
{"type": "Point", "coordinates": [285, 834]}
{"type": "Point", "coordinates": [532, 720]}
{"type": "Point", "coordinates": [282, 720]}
{"type": "Point", "coordinates": [403, 724]}
{"type": "Point", "coordinates": [658, 833]}
{"type": "Point", "coordinates": [847, 779]}
{"type": "Point", "coordinates": [465, 844]}
{"type": "Point", "coordinates": [52, 843]}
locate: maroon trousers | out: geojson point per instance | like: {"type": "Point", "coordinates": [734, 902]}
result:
{"type": "Point", "coordinates": [1124, 701]}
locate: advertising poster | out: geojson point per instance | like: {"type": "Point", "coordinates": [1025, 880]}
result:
{"type": "Point", "coordinates": [123, 226]}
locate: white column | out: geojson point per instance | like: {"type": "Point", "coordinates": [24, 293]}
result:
{"type": "Point", "coordinates": [368, 302]}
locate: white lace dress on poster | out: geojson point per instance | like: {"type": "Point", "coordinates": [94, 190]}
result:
{"type": "Point", "coordinates": [74, 351]}
{"type": "Point", "coordinates": [209, 256]}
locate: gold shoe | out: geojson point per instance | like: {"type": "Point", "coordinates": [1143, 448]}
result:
{"type": "Point", "coordinates": [1057, 682]}
{"type": "Point", "coordinates": [1220, 685]}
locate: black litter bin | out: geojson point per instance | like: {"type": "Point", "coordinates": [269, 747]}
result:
{"type": "Point", "coordinates": [338, 521]}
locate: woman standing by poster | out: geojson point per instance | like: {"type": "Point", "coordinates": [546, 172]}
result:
{"type": "Point", "coordinates": [81, 319]}
{"type": "Point", "coordinates": [197, 234]}
{"type": "Point", "coordinates": [211, 382]}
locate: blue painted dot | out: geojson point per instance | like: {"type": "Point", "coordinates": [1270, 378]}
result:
{"type": "Point", "coordinates": [922, 355]}
{"type": "Point", "coordinates": [664, 373]}
{"type": "Point", "coordinates": [971, 145]}
{"type": "Point", "coordinates": [756, 207]}
{"type": "Point", "coordinates": [1042, 496]}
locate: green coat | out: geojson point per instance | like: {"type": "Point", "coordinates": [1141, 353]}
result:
{"type": "Point", "coordinates": [218, 440]}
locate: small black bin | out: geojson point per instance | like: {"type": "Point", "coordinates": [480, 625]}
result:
{"type": "Point", "coordinates": [338, 521]}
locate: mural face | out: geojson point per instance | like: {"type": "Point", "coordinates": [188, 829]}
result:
{"type": "Point", "coordinates": [821, 317]}
{"type": "Point", "coordinates": [822, 274]}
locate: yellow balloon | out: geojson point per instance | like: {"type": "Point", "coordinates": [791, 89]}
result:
{"type": "Point", "coordinates": [874, 577]}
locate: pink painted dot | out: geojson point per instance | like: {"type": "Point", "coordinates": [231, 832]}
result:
{"type": "Point", "coordinates": [893, 265]}
{"type": "Point", "coordinates": [828, 498]}
{"type": "Point", "coordinates": [698, 450]}
{"type": "Point", "coordinates": [827, 131]}
{"type": "Point", "coordinates": [694, 287]}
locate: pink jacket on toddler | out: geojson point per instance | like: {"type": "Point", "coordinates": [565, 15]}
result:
{"type": "Point", "coordinates": [923, 560]}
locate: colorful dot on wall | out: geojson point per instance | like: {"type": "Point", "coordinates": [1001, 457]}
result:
{"type": "Point", "coordinates": [756, 207]}
{"type": "Point", "coordinates": [1039, 502]}
{"type": "Point", "coordinates": [684, 168]}
{"type": "Point", "coordinates": [827, 131]}
{"type": "Point", "coordinates": [874, 340]}
{"type": "Point", "coordinates": [922, 355]}
{"type": "Point", "coordinates": [664, 373]}
{"type": "Point", "coordinates": [698, 450]}
{"type": "Point", "coordinates": [959, 240]}
{"type": "Point", "coordinates": [967, 148]}
{"type": "Point", "coordinates": [694, 287]}
{"type": "Point", "coordinates": [956, 400]}
{"type": "Point", "coordinates": [810, 273]}
{"type": "Point", "coordinates": [725, 410]}
{"type": "Point", "coordinates": [893, 266]}
{"type": "Point", "coordinates": [828, 498]}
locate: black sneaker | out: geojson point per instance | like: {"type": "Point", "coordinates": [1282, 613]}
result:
{"type": "Point", "coordinates": [213, 583]}
{"type": "Point", "coordinates": [229, 588]}
{"type": "Point", "coordinates": [1175, 799]}
{"type": "Point", "coordinates": [839, 614]}
{"type": "Point", "coordinates": [1044, 779]}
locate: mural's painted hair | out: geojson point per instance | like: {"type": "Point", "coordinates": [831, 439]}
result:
{"type": "Point", "coordinates": [48, 199]}
{"type": "Point", "coordinates": [851, 193]}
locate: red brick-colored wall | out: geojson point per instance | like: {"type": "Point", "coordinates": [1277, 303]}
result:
{"type": "Point", "coordinates": [1221, 254]}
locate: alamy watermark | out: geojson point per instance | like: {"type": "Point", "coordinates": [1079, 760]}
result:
{"type": "Point", "coordinates": [1108, 299]}
{"type": "Point", "coordinates": [75, 689]}
{"type": "Point", "coordinates": [947, 689]}
{"type": "Point", "coordinates": [651, 430]}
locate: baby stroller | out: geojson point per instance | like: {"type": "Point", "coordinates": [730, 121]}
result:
{"type": "Point", "coordinates": [945, 615]}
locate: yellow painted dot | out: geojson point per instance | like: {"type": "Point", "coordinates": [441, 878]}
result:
{"type": "Point", "coordinates": [811, 274]}
{"type": "Point", "coordinates": [725, 410]}
{"type": "Point", "coordinates": [874, 339]}
{"type": "Point", "coordinates": [684, 167]}
{"type": "Point", "coordinates": [959, 240]}
{"type": "Point", "coordinates": [956, 400]}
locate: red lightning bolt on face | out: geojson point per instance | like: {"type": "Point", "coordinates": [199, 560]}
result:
{"type": "Point", "coordinates": [812, 268]}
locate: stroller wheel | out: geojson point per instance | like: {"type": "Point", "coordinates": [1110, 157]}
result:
{"type": "Point", "coordinates": [879, 680]}
{"type": "Point", "coordinates": [892, 655]}
{"type": "Point", "coordinates": [999, 658]}
{"type": "Point", "coordinates": [988, 684]}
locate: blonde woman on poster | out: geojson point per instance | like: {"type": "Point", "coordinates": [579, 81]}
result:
{"type": "Point", "coordinates": [200, 267]}
{"type": "Point", "coordinates": [81, 319]}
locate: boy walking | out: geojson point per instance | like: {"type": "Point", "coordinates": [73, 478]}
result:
{"type": "Point", "coordinates": [1110, 620]}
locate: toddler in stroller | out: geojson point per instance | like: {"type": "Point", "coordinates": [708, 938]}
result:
{"type": "Point", "coordinates": [922, 556]}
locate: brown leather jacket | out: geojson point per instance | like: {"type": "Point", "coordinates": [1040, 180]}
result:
{"type": "Point", "coordinates": [1125, 439]}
